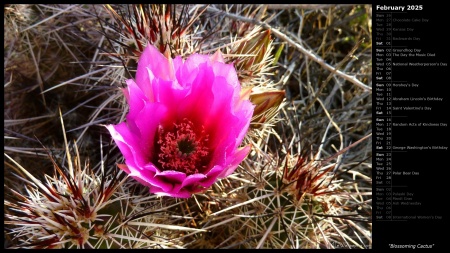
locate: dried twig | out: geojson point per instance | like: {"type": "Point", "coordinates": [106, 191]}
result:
{"type": "Point", "coordinates": [299, 47]}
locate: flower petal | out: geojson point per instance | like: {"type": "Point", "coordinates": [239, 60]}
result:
{"type": "Point", "coordinates": [160, 66]}
{"type": "Point", "coordinates": [228, 72]}
{"type": "Point", "coordinates": [211, 176]}
{"type": "Point", "coordinates": [195, 104]}
{"type": "Point", "coordinates": [170, 96]}
{"type": "Point", "coordinates": [148, 174]}
{"type": "Point", "coordinates": [124, 167]}
{"type": "Point", "coordinates": [217, 57]}
{"type": "Point", "coordinates": [192, 180]}
{"type": "Point", "coordinates": [196, 101]}
{"type": "Point", "coordinates": [160, 192]}
{"type": "Point", "coordinates": [235, 160]}
{"type": "Point", "coordinates": [175, 178]}
{"type": "Point", "coordinates": [128, 143]}
{"type": "Point", "coordinates": [135, 97]}
{"type": "Point", "coordinates": [147, 121]}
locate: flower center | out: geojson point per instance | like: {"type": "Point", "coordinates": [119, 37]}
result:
{"type": "Point", "coordinates": [182, 149]}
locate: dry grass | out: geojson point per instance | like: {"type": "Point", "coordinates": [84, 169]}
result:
{"type": "Point", "coordinates": [307, 182]}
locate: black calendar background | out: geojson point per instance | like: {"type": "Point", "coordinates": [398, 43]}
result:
{"type": "Point", "coordinates": [430, 185]}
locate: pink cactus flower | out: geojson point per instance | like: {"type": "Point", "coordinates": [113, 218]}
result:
{"type": "Point", "coordinates": [185, 124]}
